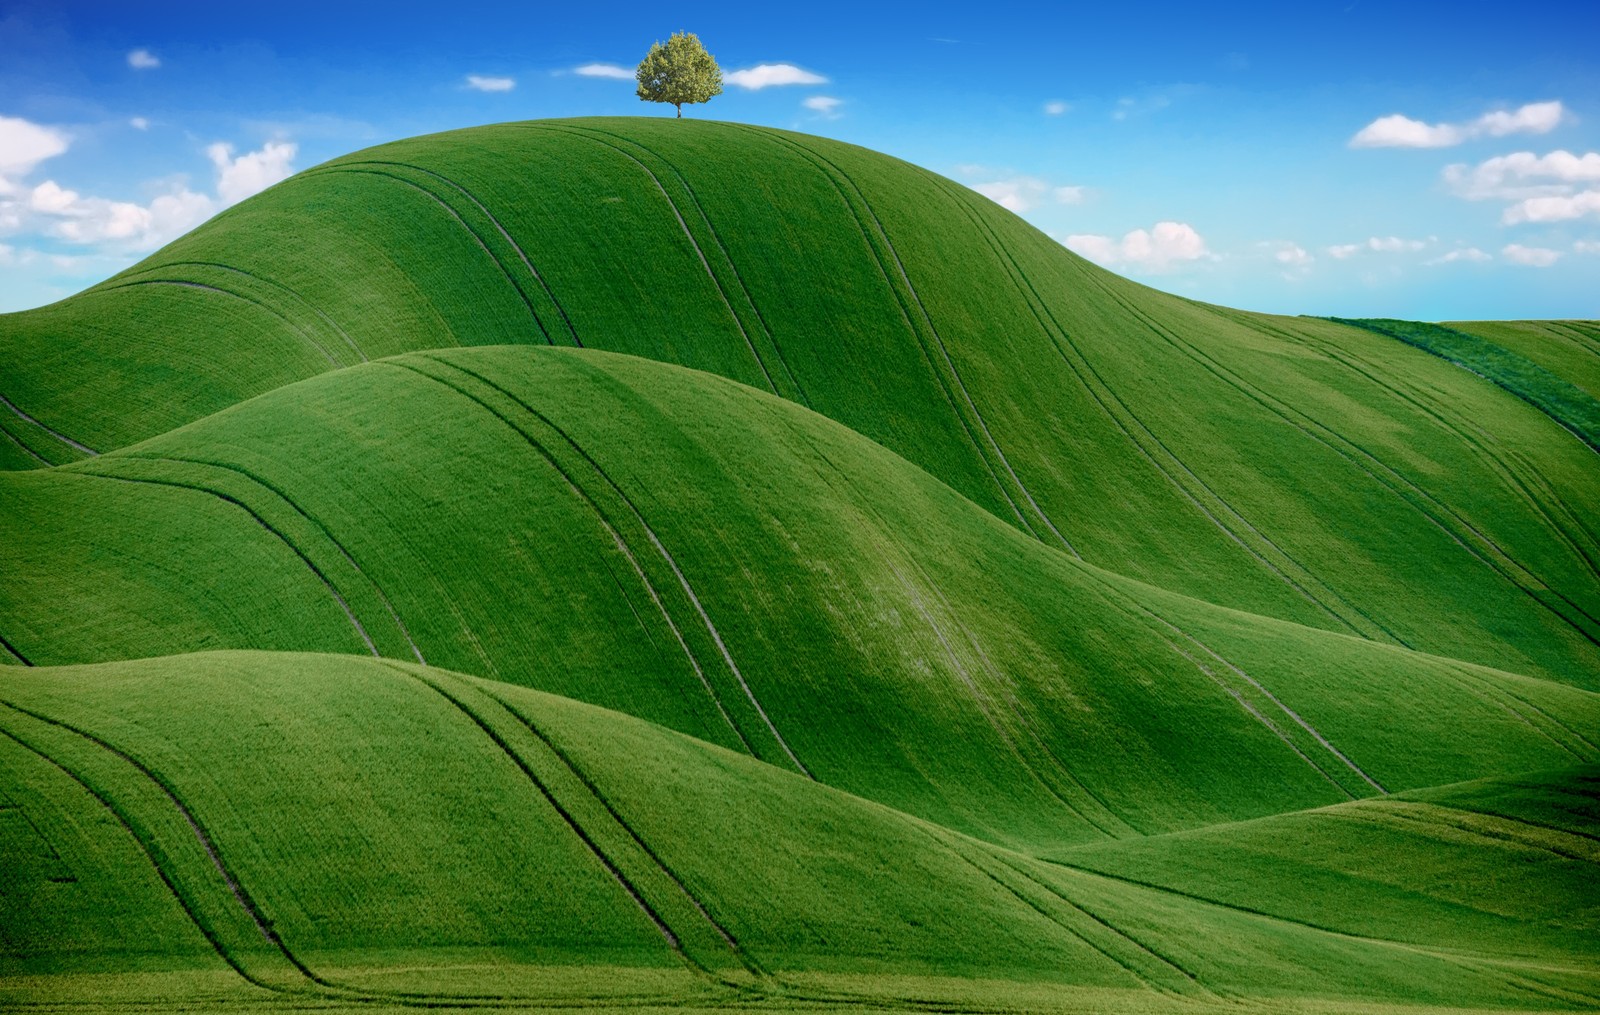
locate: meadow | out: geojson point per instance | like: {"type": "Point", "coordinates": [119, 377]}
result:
{"type": "Point", "coordinates": [636, 564]}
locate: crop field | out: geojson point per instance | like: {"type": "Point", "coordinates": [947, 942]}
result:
{"type": "Point", "coordinates": [640, 564]}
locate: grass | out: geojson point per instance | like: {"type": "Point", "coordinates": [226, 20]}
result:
{"type": "Point", "coordinates": [882, 608]}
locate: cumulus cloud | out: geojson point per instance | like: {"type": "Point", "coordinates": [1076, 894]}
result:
{"type": "Point", "coordinates": [768, 75]}
{"type": "Point", "coordinates": [604, 70]}
{"type": "Point", "coordinates": [1522, 174]}
{"type": "Point", "coordinates": [1376, 244]}
{"type": "Point", "coordinates": [143, 59]}
{"type": "Point", "coordinates": [825, 106]}
{"type": "Point", "coordinates": [1159, 248]}
{"type": "Point", "coordinates": [1472, 254]}
{"type": "Point", "coordinates": [1398, 131]}
{"type": "Point", "coordinates": [1293, 255]}
{"type": "Point", "coordinates": [24, 145]}
{"type": "Point", "coordinates": [1055, 107]}
{"type": "Point", "coordinates": [1553, 208]}
{"type": "Point", "coordinates": [1024, 193]}
{"type": "Point", "coordinates": [483, 83]}
{"type": "Point", "coordinates": [252, 172]}
{"type": "Point", "coordinates": [1533, 257]}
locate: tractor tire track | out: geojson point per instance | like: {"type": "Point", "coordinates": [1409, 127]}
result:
{"type": "Point", "coordinates": [504, 234]}
{"type": "Point", "coordinates": [684, 225]}
{"type": "Point", "coordinates": [311, 565]}
{"type": "Point", "coordinates": [451, 211]}
{"type": "Point", "coordinates": [328, 533]}
{"type": "Point", "coordinates": [12, 650]}
{"type": "Point", "coordinates": [25, 449]}
{"type": "Point", "coordinates": [63, 438]}
{"type": "Point", "coordinates": [688, 589]}
{"type": "Point", "coordinates": [944, 351]}
{"type": "Point", "coordinates": [610, 529]}
{"type": "Point", "coordinates": [207, 287]}
{"type": "Point", "coordinates": [727, 257]}
{"type": "Point", "coordinates": [905, 315]}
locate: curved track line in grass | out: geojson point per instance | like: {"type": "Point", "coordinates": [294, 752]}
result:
{"type": "Point", "coordinates": [1488, 692]}
{"type": "Point", "coordinates": [1248, 391]}
{"type": "Point", "coordinates": [343, 605]}
{"type": "Point", "coordinates": [240, 894]}
{"type": "Point", "coordinates": [441, 202]}
{"type": "Point", "coordinates": [126, 822]}
{"type": "Point", "coordinates": [207, 287]}
{"type": "Point", "coordinates": [544, 791]}
{"type": "Point", "coordinates": [711, 628]}
{"type": "Point", "coordinates": [25, 449]}
{"type": "Point", "coordinates": [1502, 465]}
{"type": "Point", "coordinates": [610, 529]}
{"type": "Point", "coordinates": [1420, 813]}
{"type": "Point", "coordinates": [275, 491]}
{"type": "Point", "coordinates": [12, 650]}
{"type": "Point", "coordinates": [594, 790]}
{"type": "Point", "coordinates": [63, 438]}
{"type": "Point", "coordinates": [1058, 334]}
{"type": "Point", "coordinates": [726, 256]}
{"type": "Point", "coordinates": [938, 339]}
{"type": "Point", "coordinates": [293, 294]}
{"type": "Point", "coordinates": [905, 314]}
{"type": "Point", "coordinates": [704, 263]}
{"type": "Point", "coordinates": [504, 234]}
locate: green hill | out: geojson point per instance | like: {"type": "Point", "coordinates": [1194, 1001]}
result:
{"type": "Point", "coordinates": [815, 587]}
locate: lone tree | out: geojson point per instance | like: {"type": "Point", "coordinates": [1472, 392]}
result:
{"type": "Point", "coordinates": [679, 71]}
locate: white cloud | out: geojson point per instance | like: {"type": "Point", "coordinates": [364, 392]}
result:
{"type": "Point", "coordinates": [1024, 193]}
{"type": "Point", "coordinates": [1293, 255]}
{"type": "Point", "coordinates": [481, 83]}
{"type": "Point", "coordinates": [1376, 244]}
{"type": "Point", "coordinates": [24, 145]}
{"type": "Point", "coordinates": [1553, 208]}
{"type": "Point", "coordinates": [1159, 248]}
{"type": "Point", "coordinates": [143, 59]}
{"type": "Point", "coordinates": [1397, 131]}
{"type": "Point", "coordinates": [1522, 174]}
{"type": "Point", "coordinates": [604, 70]}
{"type": "Point", "coordinates": [1472, 254]}
{"type": "Point", "coordinates": [139, 123]}
{"type": "Point", "coordinates": [1586, 247]}
{"type": "Point", "coordinates": [825, 106]}
{"type": "Point", "coordinates": [252, 172]}
{"type": "Point", "coordinates": [1056, 107]}
{"type": "Point", "coordinates": [1533, 257]}
{"type": "Point", "coordinates": [767, 75]}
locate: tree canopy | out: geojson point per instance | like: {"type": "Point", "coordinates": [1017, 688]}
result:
{"type": "Point", "coordinates": [678, 71]}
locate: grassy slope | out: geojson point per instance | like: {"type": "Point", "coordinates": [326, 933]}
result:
{"type": "Point", "coordinates": [1568, 349]}
{"type": "Point", "coordinates": [1323, 483]}
{"type": "Point", "coordinates": [681, 548]}
{"type": "Point", "coordinates": [407, 829]}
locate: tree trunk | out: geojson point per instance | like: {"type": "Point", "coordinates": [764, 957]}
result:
{"type": "Point", "coordinates": [679, 106]}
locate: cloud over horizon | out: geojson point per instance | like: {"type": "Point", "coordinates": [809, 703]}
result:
{"type": "Point", "coordinates": [1399, 131]}
{"type": "Point", "coordinates": [770, 75]}
{"type": "Point", "coordinates": [486, 83]}
{"type": "Point", "coordinates": [1157, 249]}
{"type": "Point", "coordinates": [616, 72]}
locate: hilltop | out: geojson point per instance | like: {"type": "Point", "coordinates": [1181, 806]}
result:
{"type": "Point", "coordinates": [627, 561]}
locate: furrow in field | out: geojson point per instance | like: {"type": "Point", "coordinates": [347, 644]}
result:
{"type": "Point", "coordinates": [453, 213]}
{"type": "Point", "coordinates": [606, 523]}
{"type": "Point", "coordinates": [219, 290]}
{"type": "Point", "coordinates": [722, 291]}
{"type": "Point", "coordinates": [344, 605]}
{"type": "Point", "coordinates": [666, 555]}
{"type": "Point", "coordinates": [284, 498]}
{"type": "Point", "coordinates": [5, 431]}
{"type": "Point", "coordinates": [1515, 478]}
{"type": "Point", "coordinates": [944, 352]}
{"type": "Point", "coordinates": [516, 247]}
{"type": "Point", "coordinates": [599, 796]}
{"type": "Point", "coordinates": [293, 294]}
{"type": "Point", "coordinates": [11, 650]}
{"type": "Point", "coordinates": [1333, 441]}
{"type": "Point", "coordinates": [1490, 553]}
{"type": "Point", "coordinates": [1104, 394]}
{"type": "Point", "coordinates": [906, 316]}
{"type": "Point", "coordinates": [727, 259]}
{"type": "Point", "coordinates": [63, 438]}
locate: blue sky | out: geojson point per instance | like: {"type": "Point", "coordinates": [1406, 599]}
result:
{"type": "Point", "coordinates": [1437, 162]}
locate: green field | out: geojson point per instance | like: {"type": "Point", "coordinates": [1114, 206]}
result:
{"type": "Point", "coordinates": [642, 564]}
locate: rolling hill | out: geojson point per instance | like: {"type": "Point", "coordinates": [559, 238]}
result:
{"type": "Point", "coordinates": [635, 563]}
